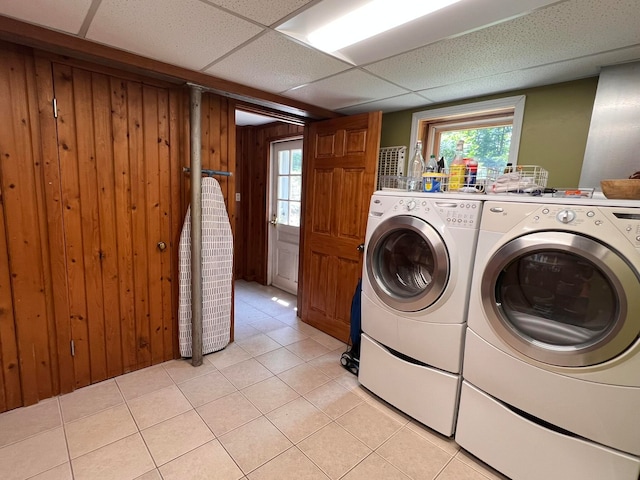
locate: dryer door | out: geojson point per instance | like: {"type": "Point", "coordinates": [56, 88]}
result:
{"type": "Point", "coordinates": [562, 298]}
{"type": "Point", "coordinates": [407, 263]}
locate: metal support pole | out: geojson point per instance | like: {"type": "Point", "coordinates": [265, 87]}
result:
{"type": "Point", "coordinates": [196, 227]}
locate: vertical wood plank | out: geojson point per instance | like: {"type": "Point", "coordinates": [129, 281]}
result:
{"type": "Point", "coordinates": [178, 206]}
{"type": "Point", "coordinates": [106, 195]}
{"type": "Point", "coordinates": [152, 139]}
{"type": "Point", "coordinates": [20, 199]}
{"type": "Point", "coordinates": [122, 184]}
{"type": "Point", "coordinates": [10, 385]}
{"type": "Point", "coordinates": [38, 170]}
{"type": "Point", "coordinates": [57, 290]}
{"type": "Point", "coordinates": [90, 222]}
{"type": "Point", "coordinates": [138, 222]}
{"type": "Point", "coordinates": [165, 126]}
{"type": "Point", "coordinates": [68, 152]}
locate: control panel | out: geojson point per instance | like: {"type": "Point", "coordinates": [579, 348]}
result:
{"type": "Point", "coordinates": [590, 220]}
{"type": "Point", "coordinates": [453, 212]}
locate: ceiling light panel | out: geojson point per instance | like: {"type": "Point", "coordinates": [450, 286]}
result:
{"type": "Point", "coordinates": [275, 63]}
{"type": "Point", "coordinates": [188, 33]}
{"type": "Point", "coordinates": [371, 19]}
{"type": "Point", "coordinates": [67, 16]}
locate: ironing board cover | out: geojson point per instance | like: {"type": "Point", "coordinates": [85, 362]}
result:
{"type": "Point", "coordinates": [217, 270]}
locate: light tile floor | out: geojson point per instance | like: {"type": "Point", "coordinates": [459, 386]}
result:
{"type": "Point", "coordinates": [274, 405]}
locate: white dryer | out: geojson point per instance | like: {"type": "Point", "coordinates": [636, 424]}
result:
{"type": "Point", "coordinates": [552, 352]}
{"type": "Point", "coordinates": [417, 270]}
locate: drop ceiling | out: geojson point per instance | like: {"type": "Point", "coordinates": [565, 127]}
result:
{"type": "Point", "coordinates": [472, 48]}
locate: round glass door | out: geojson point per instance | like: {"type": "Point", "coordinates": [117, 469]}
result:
{"type": "Point", "coordinates": [562, 298]}
{"type": "Point", "coordinates": [407, 263]}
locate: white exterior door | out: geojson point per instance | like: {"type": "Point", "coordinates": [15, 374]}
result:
{"type": "Point", "coordinates": [284, 232]}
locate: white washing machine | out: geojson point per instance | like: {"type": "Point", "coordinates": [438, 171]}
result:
{"type": "Point", "coordinates": [552, 352]}
{"type": "Point", "coordinates": [417, 271]}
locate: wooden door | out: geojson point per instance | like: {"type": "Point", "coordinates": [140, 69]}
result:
{"type": "Point", "coordinates": [115, 187]}
{"type": "Point", "coordinates": [341, 157]}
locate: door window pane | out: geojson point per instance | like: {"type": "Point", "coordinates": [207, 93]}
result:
{"type": "Point", "coordinates": [283, 162]}
{"type": "Point", "coordinates": [296, 162]}
{"type": "Point", "coordinates": [283, 212]}
{"type": "Point", "coordinates": [296, 188]}
{"type": "Point", "coordinates": [294, 214]}
{"type": "Point", "coordinates": [283, 188]}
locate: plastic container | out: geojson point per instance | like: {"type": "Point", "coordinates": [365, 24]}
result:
{"type": "Point", "coordinates": [433, 182]}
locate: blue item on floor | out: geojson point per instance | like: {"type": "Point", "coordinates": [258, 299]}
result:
{"type": "Point", "coordinates": [351, 358]}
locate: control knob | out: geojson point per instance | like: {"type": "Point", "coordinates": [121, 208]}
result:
{"type": "Point", "coordinates": [566, 216]}
{"type": "Point", "coordinates": [411, 204]}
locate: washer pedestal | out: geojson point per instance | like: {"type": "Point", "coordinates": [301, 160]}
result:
{"type": "Point", "coordinates": [426, 394]}
{"type": "Point", "coordinates": [524, 450]}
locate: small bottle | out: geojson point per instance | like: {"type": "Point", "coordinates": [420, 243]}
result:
{"type": "Point", "coordinates": [416, 168]}
{"type": "Point", "coordinates": [471, 172]}
{"type": "Point", "coordinates": [457, 168]}
{"type": "Point", "coordinates": [431, 181]}
{"type": "Point", "coordinates": [432, 165]}
{"type": "Point", "coordinates": [508, 168]}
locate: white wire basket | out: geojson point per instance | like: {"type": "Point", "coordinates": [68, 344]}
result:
{"type": "Point", "coordinates": [520, 179]}
{"type": "Point", "coordinates": [391, 161]}
{"type": "Point", "coordinates": [465, 181]}
{"type": "Point", "coordinates": [392, 182]}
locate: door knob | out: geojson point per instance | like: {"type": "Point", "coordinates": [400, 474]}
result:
{"type": "Point", "coordinates": [360, 247]}
{"type": "Point", "coordinates": [274, 220]}
{"type": "Point", "coordinates": [162, 246]}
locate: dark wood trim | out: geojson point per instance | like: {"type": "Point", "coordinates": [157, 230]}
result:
{"type": "Point", "coordinates": [22, 33]}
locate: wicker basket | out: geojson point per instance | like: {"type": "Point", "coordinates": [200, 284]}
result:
{"type": "Point", "coordinates": [627, 189]}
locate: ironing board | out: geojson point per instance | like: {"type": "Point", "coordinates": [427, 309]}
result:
{"type": "Point", "coordinates": [217, 271]}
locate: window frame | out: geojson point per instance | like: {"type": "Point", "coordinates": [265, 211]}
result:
{"type": "Point", "coordinates": [470, 115]}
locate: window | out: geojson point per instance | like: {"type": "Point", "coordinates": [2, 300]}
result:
{"type": "Point", "coordinates": [490, 131]}
{"type": "Point", "coordinates": [289, 186]}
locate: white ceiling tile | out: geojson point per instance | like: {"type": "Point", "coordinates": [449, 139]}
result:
{"type": "Point", "coordinates": [387, 105]}
{"type": "Point", "coordinates": [532, 77]}
{"type": "Point", "coordinates": [266, 13]}
{"type": "Point", "coordinates": [274, 63]}
{"type": "Point", "coordinates": [66, 15]}
{"type": "Point", "coordinates": [188, 33]}
{"type": "Point", "coordinates": [348, 88]}
{"type": "Point", "coordinates": [453, 20]}
{"type": "Point", "coordinates": [566, 30]}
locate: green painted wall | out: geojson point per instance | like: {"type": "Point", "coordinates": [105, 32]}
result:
{"type": "Point", "coordinates": [554, 131]}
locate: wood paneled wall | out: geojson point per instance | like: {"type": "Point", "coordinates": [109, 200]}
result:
{"type": "Point", "coordinates": [84, 201]}
{"type": "Point", "coordinates": [27, 329]}
{"type": "Point", "coordinates": [253, 151]}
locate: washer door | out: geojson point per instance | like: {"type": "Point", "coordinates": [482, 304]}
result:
{"type": "Point", "coordinates": [562, 298]}
{"type": "Point", "coordinates": [407, 263]}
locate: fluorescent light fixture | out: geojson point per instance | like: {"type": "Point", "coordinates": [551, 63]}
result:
{"type": "Point", "coordinates": [371, 19]}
